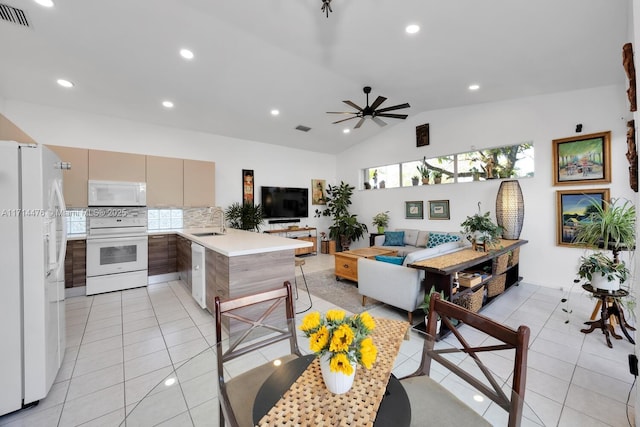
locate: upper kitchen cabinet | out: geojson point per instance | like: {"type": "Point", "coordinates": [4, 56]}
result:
{"type": "Point", "coordinates": [74, 179]}
{"type": "Point", "coordinates": [10, 132]}
{"type": "Point", "coordinates": [164, 181]}
{"type": "Point", "coordinates": [199, 183]}
{"type": "Point", "coordinates": [115, 166]}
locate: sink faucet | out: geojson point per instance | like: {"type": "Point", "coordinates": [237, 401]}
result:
{"type": "Point", "coordinates": [218, 212]}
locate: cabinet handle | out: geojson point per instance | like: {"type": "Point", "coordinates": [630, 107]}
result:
{"type": "Point", "coordinates": [158, 237]}
{"type": "Point", "coordinates": [346, 266]}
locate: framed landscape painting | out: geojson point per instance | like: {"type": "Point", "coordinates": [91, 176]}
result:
{"type": "Point", "coordinates": [438, 209]}
{"type": "Point", "coordinates": [414, 210]}
{"type": "Point", "coordinates": [584, 159]}
{"type": "Point", "coordinates": [574, 207]}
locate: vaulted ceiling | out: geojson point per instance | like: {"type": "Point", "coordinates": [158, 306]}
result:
{"type": "Point", "coordinates": [252, 56]}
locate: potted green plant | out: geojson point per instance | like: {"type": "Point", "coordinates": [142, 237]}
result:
{"type": "Point", "coordinates": [427, 303]}
{"type": "Point", "coordinates": [602, 272]}
{"type": "Point", "coordinates": [415, 180]}
{"type": "Point", "coordinates": [475, 173]}
{"type": "Point", "coordinates": [245, 216]}
{"type": "Point", "coordinates": [437, 177]}
{"type": "Point", "coordinates": [381, 220]}
{"type": "Point", "coordinates": [609, 225]}
{"type": "Point", "coordinates": [424, 171]}
{"type": "Point", "coordinates": [345, 227]}
{"type": "Point", "coordinates": [480, 229]}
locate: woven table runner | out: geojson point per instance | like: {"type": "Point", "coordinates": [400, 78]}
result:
{"type": "Point", "coordinates": [447, 260]}
{"type": "Point", "coordinates": [309, 403]}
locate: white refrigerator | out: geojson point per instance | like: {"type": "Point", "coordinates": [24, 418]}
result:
{"type": "Point", "coordinates": [32, 251]}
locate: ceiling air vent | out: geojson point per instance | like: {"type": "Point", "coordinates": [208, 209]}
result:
{"type": "Point", "coordinates": [303, 128]}
{"type": "Point", "coordinates": [13, 14]}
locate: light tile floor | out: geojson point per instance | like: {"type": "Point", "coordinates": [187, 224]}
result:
{"type": "Point", "coordinates": [121, 344]}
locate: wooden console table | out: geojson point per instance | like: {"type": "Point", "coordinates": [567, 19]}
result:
{"type": "Point", "coordinates": [441, 270]}
{"type": "Point", "coordinates": [310, 234]}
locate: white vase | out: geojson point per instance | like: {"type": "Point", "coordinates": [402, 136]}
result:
{"type": "Point", "coordinates": [438, 323]}
{"type": "Point", "coordinates": [599, 281]}
{"type": "Point", "coordinates": [336, 382]}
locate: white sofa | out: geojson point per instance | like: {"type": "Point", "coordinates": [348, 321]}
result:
{"type": "Point", "coordinates": [398, 285]}
{"type": "Point", "coordinates": [414, 240]}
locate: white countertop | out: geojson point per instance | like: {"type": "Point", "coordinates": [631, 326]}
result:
{"type": "Point", "coordinates": [233, 242]}
{"type": "Point", "coordinates": [240, 242]}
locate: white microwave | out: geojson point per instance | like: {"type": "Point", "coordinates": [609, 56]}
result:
{"type": "Point", "coordinates": [117, 193]}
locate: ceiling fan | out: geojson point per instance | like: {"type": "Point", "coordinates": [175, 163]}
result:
{"type": "Point", "coordinates": [373, 112]}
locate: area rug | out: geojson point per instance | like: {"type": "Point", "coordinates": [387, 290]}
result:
{"type": "Point", "coordinates": [343, 293]}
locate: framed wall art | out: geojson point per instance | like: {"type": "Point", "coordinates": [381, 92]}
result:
{"type": "Point", "coordinates": [439, 209]}
{"type": "Point", "coordinates": [247, 186]}
{"type": "Point", "coordinates": [422, 135]}
{"type": "Point", "coordinates": [413, 210]}
{"type": "Point", "coordinates": [573, 207]}
{"type": "Point", "coordinates": [317, 191]}
{"type": "Point", "coordinates": [584, 159]}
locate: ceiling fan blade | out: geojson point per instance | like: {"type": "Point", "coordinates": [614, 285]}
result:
{"type": "Point", "coordinates": [352, 105]}
{"type": "Point", "coordinates": [359, 123]}
{"type": "Point", "coordinates": [395, 107]}
{"type": "Point", "coordinates": [380, 122]}
{"type": "Point", "coordinates": [344, 120]}
{"type": "Point", "coordinates": [393, 116]}
{"type": "Point", "coordinates": [342, 112]}
{"type": "Point", "coordinates": [379, 100]}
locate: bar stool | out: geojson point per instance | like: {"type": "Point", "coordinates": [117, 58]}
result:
{"type": "Point", "coordinates": [299, 263]}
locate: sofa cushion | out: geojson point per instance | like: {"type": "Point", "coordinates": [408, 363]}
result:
{"type": "Point", "coordinates": [436, 239]}
{"type": "Point", "coordinates": [410, 236]}
{"type": "Point", "coordinates": [393, 238]}
{"type": "Point", "coordinates": [391, 259]}
{"type": "Point", "coordinates": [423, 238]}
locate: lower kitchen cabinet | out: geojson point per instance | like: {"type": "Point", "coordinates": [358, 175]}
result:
{"type": "Point", "coordinates": [162, 254]}
{"type": "Point", "coordinates": [75, 264]}
{"type": "Point", "coordinates": [183, 247]}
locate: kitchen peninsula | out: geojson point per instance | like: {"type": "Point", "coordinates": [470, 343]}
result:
{"type": "Point", "coordinates": [241, 262]}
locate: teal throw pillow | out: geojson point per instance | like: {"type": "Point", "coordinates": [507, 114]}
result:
{"type": "Point", "coordinates": [391, 259]}
{"type": "Point", "coordinates": [436, 239]}
{"type": "Point", "coordinates": [393, 238]}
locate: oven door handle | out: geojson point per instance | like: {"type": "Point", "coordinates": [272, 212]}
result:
{"type": "Point", "coordinates": [111, 239]}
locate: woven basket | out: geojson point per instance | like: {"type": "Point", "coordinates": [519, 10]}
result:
{"type": "Point", "coordinates": [472, 301]}
{"type": "Point", "coordinates": [495, 286]}
{"type": "Point", "coordinates": [515, 257]}
{"type": "Point", "coordinates": [501, 263]}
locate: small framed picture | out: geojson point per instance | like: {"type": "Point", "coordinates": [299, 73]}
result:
{"type": "Point", "coordinates": [414, 210]}
{"type": "Point", "coordinates": [439, 209]}
{"type": "Point", "coordinates": [573, 207]}
{"type": "Point", "coordinates": [247, 186]}
{"type": "Point", "coordinates": [422, 135]}
{"type": "Point", "coordinates": [584, 159]}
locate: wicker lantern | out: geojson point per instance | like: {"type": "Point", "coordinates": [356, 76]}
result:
{"type": "Point", "coordinates": [510, 209]}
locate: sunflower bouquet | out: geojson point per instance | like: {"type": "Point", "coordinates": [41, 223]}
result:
{"type": "Point", "coordinates": [345, 338]}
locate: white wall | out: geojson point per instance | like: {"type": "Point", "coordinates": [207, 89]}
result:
{"type": "Point", "coordinates": [537, 119]}
{"type": "Point", "coordinates": [272, 165]}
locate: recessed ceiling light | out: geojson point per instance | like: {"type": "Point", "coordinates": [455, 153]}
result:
{"type": "Point", "coordinates": [474, 87]}
{"type": "Point", "coordinates": [186, 53]}
{"type": "Point", "coordinates": [346, 130]}
{"type": "Point", "coordinates": [412, 29]}
{"type": "Point", "coordinates": [167, 104]}
{"type": "Point", "coordinates": [45, 3]}
{"type": "Point", "coordinates": [275, 112]}
{"type": "Point", "coordinates": [64, 83]}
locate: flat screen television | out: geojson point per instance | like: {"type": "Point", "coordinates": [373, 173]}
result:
{"type": "Point", "coordinates": [285, 202]}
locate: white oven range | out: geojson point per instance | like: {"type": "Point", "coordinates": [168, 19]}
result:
{"type": "Point", "coordinates": [116, 249]}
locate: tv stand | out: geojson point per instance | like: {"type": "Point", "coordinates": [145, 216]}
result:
{"type": "Point", "coordinates": [310, 234]}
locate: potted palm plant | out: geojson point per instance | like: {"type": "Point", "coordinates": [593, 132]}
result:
{"type": "Point", "coordinates": [437, 177]}
{"type": "Point", "coordinates": [424, 171]}
{"type": "Point", "coordinates": [381, 220]}
{"type": "Point", "coordinates": [246, 216]}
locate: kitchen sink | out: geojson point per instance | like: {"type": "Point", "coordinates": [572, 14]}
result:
{"type": "Point", "coordinates": [207, 233]}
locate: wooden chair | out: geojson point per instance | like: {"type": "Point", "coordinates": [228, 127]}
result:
{"type": "Point", "coordinates": [236, 395]}
{"type": "Point", "coordinates": [432, 403]}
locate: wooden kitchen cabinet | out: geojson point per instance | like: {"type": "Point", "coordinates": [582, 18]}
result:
{"type": "Point", "coordinates": [115, 166]}
{"type": "Point", "coordinates": [75, 264]}
{"type": "Point", "coordinates": [199, 183]}
{"type": "Point", "coordinates": [74, 179]}
{"type": "Point", "coordinates": [183, 246]}
{"type": "Point", "coordinates": [162, 258]}
{"type": "Point", "coordinates": [165, 181]}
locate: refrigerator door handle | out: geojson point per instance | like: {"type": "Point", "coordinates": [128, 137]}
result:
{"type": "Point", "coordinates": [57, 209]}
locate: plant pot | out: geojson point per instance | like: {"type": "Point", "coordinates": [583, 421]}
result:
{"type": "Point", "coordinates": [600, 282]}
{"type": "Point", "coordinates": [415, 181]}
{"type": "Point", "coordinates": [437, 180]}
{"type": "Point", "coordinates": [380, 230]}
{"type": "Point", "coordinates": [438, 323]}
{"type": "Point", "coordinates": [336, 382]}
{"type": "Point", "coordinates": [425, 181]}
